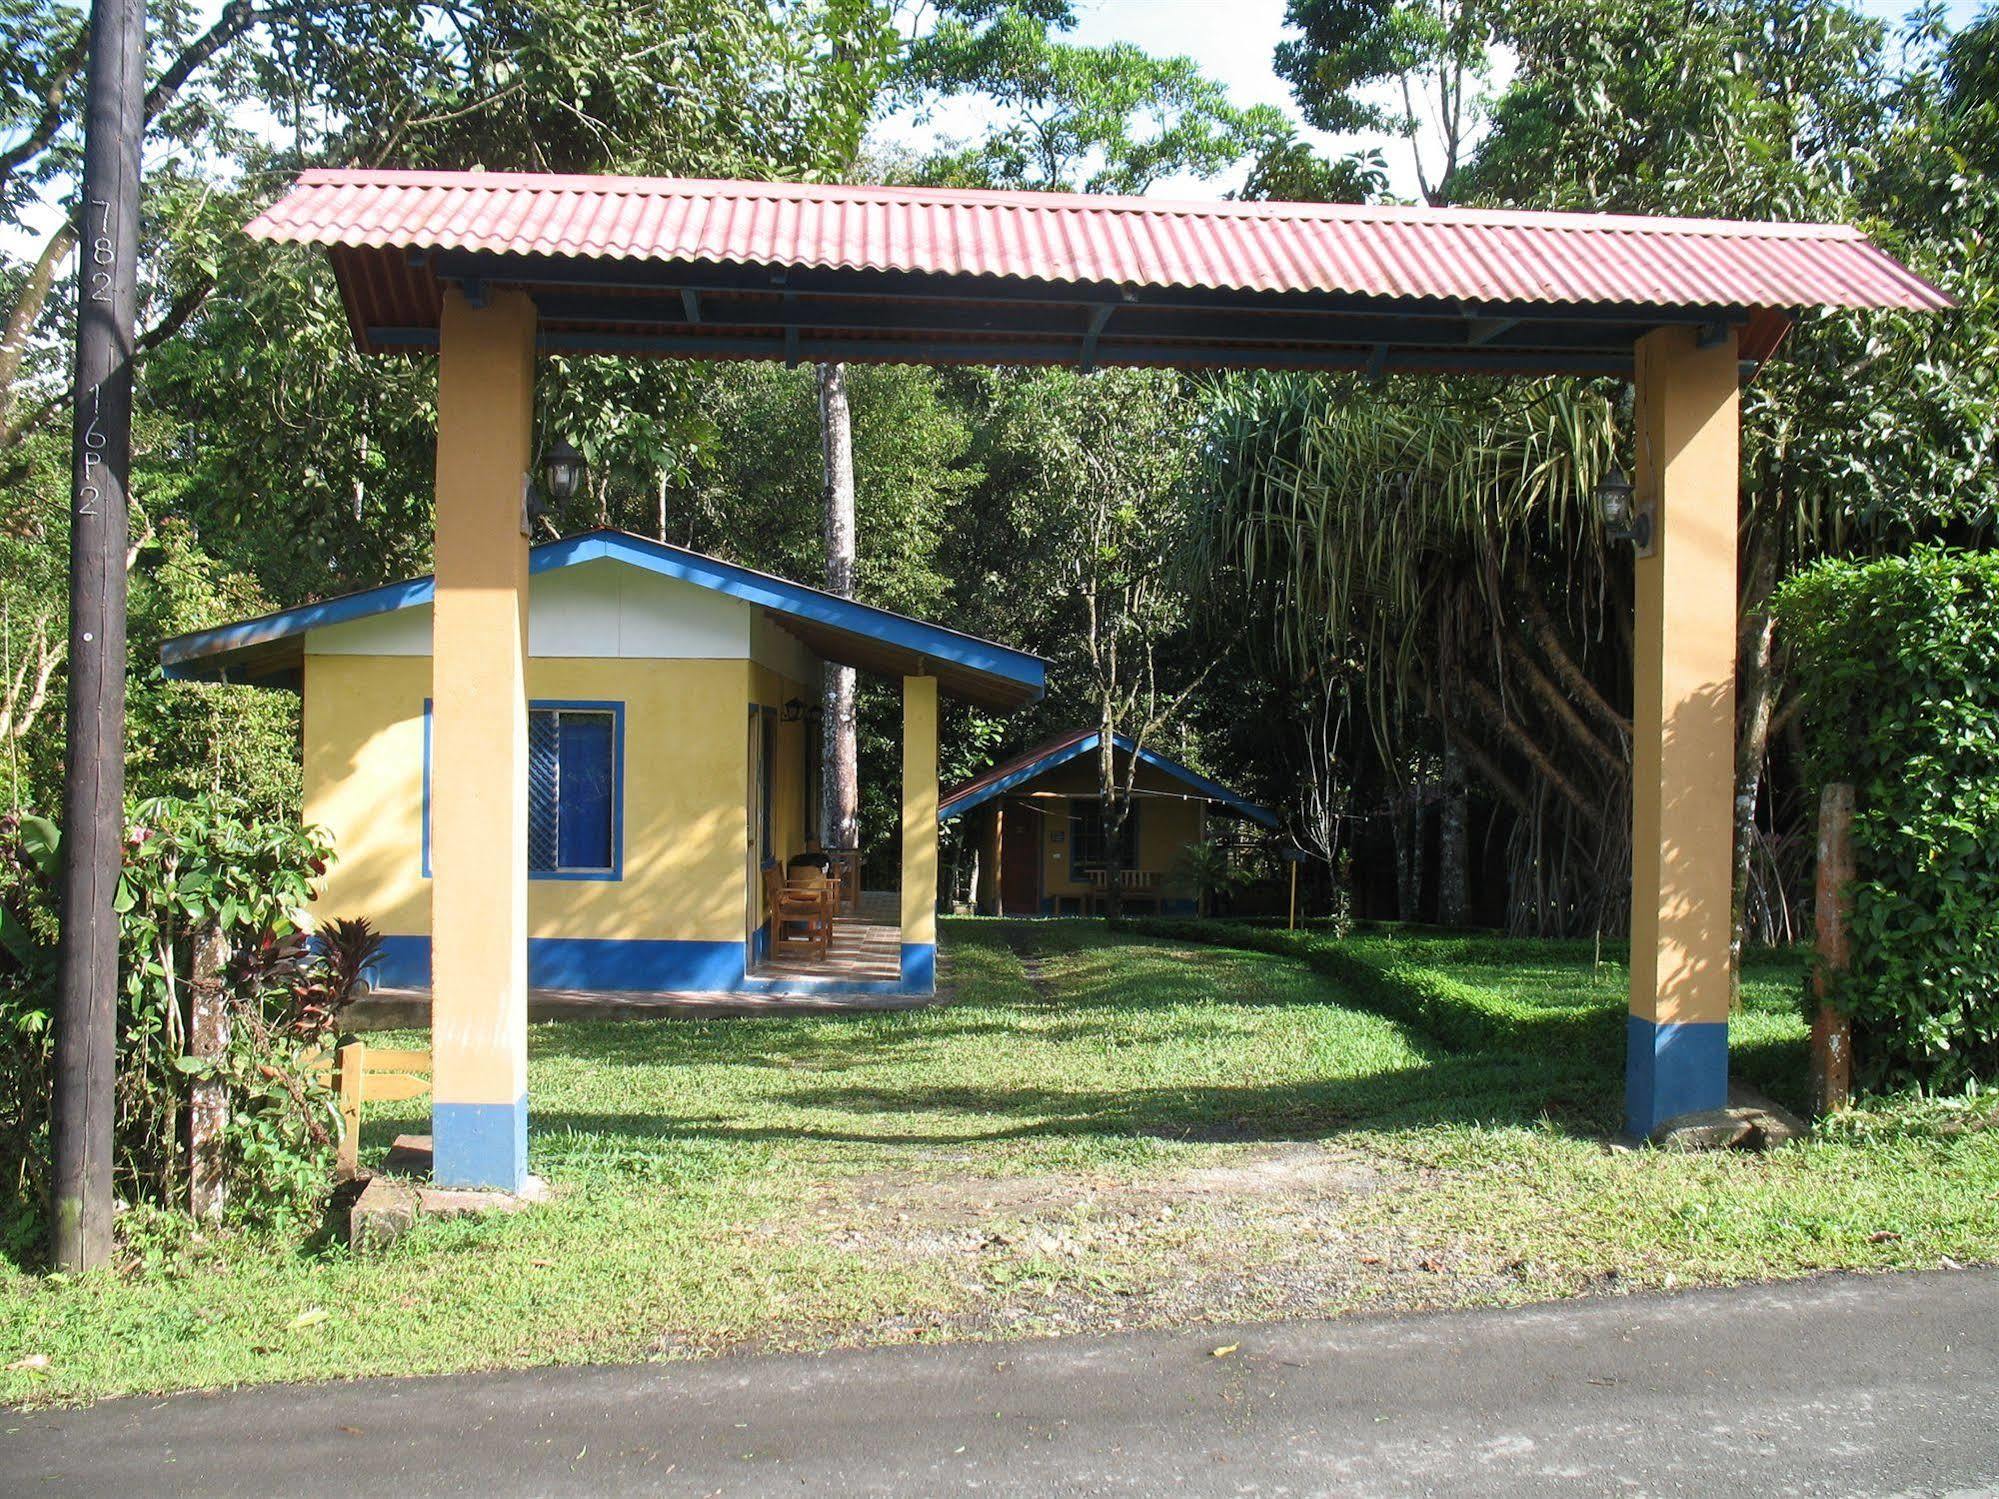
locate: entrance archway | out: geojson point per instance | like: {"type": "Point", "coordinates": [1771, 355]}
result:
{"type": "Point", "coordinates": [487, 268]}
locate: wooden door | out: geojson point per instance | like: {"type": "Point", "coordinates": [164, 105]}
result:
{"type": "Point", "coordinates": [1020, 862]}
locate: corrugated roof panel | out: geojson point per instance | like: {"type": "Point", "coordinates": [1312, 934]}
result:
{"type": "Point", "coordinates": [1458, 254]}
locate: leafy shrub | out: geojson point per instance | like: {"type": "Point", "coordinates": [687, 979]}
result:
{"type": "Point", "coordinates": [1901, 691]}
{"type": "Point", "coordinates": [191, 866]}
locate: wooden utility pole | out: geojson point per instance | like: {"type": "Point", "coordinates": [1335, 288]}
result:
{"type": "Point", "coordinates": [94, 764]}
{"type": "Point", "coordinates": [1832, 905]}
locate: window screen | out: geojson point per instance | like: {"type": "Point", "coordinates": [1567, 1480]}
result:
{"type": "Point", "coordinates": [1086, 836]}
{"type": "Point", "coordinates": [572, 791]}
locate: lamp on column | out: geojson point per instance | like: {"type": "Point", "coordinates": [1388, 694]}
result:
{"type": "Point", "coordinates": [563, 470]}
{"type": "Point", "coordinates": [1623, 519]}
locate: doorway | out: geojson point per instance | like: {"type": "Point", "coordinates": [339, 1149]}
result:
{"type": "Point", "coordinates": [1020, 861]}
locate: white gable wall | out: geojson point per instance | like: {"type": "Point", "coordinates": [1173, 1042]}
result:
{"type": "Point", "coordinates": [599, 609]}
{"type": "Point", "coordinates": [783, 652]}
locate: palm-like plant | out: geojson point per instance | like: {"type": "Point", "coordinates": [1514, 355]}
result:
{"type": "Point", "coordinates": [1442, 538]}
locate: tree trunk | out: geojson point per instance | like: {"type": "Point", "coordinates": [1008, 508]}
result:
{"type": "Point", "coordinates": [1406, 819]}
{"type": "Point", "coordinates": [1115, 811]}
{"type": "Point", "coordinates": [1453, 879]}
{"type": "Point", "coordinates": [840, 783]}
{"type": "Point", "coordinates": [208, 1114]}
{"type": "Point", "coordinates": [21, 319]}
{"type": "Point", "coordinates": [1756, 688]}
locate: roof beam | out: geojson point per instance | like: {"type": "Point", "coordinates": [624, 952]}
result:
{"type": "Point", "coordinates": [670, 276]}
{"type": "Point", "coordinates": [1016, 351]}
{"type": "Point", "coordinates": [1087, 359]}
{"type": "Point", "coordinates": [794, 346]}
{"type": "Point", "coordinates": [1135, 319]}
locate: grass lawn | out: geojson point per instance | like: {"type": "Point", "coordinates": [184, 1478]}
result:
{"type": "Point", "coordinates": [1104, 1130]}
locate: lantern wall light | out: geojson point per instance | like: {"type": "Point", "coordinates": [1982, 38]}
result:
{"type": "Point", "coordinates": [1623, 518]}
{"type": "Point", "coordinates": [563, 470]}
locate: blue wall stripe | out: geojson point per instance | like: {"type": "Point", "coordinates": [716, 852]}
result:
{"type": "Point", "coordinates": [588, 963]}
{"type": "Point", "coordinates": [1679, 1067]}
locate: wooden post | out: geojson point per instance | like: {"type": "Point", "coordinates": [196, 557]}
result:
{"type": "Point", "coordinates": [350, 1067]}
{"type": "Point", "coordinates": [1292, 925]}
{"type": "Point", "coordinates": [1832, 1030]}
{"type": "Point", "coordinates": [86, 1030]}
{"type": "Point", "coordinates": [208, 1114]}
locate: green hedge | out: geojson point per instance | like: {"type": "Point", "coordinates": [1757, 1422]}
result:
{"type": "Point", "coordinates": [1899, 666]}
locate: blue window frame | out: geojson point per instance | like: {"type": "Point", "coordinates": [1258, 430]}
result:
{"type": "Point", "coordinates": [575, 790]}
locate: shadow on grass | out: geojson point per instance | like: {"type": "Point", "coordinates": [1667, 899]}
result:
{"type": "Point", "coordinates": [1559, 1068]}
{"type": "Point", "coordinates": [1491, 1092]}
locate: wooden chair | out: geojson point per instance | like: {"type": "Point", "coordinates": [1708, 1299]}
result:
{"type": "Point", "coordinates": [806, 903]}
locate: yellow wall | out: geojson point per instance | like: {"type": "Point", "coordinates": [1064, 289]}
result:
{"type": "Point", "coordinates": [1166, 823]}
{"type": "Point", "coordinates": [772, 689]}
{"type": "Point", "coordinates": [363, 735]}
{"type": "Point", "coordinates": [685, 786]}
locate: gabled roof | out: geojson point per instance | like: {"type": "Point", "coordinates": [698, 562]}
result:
{"type": "Point", "coordinates": [1029, 764]}
{"type": "Point", "coordinates": [708, 269]}
{"type": "Point", "coordinates": [266, 649]}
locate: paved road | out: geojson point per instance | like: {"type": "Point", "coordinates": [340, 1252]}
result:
{"type": "Point", "coordinates": [1846, 1385]}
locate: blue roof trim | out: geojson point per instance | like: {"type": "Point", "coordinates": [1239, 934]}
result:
{"type": "Point", "coordinates": [184, 655]}
{"type": "Point", "coordinates": [795, 599]}
{"type": "Point", "coordinates": [1214, 790]}
{"type": "Point", "coordinates": [179, 653]}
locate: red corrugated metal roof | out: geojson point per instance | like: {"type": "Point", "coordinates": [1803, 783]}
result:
{"type": "Point", "coordinates": [1399, 253]}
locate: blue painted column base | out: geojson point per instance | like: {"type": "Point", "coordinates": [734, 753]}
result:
{"type": "Point", "coordinates": [481, 1145]}
{"type": "Point", "coordinates": [919, 968]}
{"type": "Point", "coordinates": [1678, 1067]}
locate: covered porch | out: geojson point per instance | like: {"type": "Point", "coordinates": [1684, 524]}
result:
{"type": "Point", "coordinates": [864, 954]}
{"type": "Point", "coordinates": [862, 972]}
{"type": "Point", "coordinates": [487, 268]}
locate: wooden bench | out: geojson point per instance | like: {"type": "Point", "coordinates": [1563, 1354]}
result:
{"type": "Point", "coordinates": [360, 1073]}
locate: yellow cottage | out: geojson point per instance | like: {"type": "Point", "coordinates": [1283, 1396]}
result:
{"type": "Point", "coordinates": [1036, 821]}
{"type": "Point", "coordinates": [672, 758]}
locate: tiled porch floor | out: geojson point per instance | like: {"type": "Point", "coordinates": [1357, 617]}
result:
{"type": "Point", "coordinates": [866, 947]}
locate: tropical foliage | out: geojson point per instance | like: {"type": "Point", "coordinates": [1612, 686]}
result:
{"type": "Point", "coordinates": [209, 894]}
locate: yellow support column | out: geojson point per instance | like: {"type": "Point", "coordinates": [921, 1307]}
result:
{"type": "Point", "coordinates": [1683, 727]}
{"type": "Point", "coordinates": [478, 780]}
{"type": "Point", "coordinates": [919, 835]}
